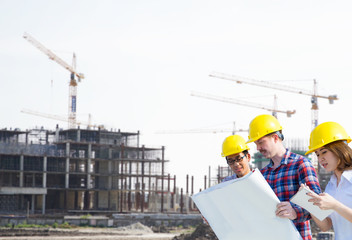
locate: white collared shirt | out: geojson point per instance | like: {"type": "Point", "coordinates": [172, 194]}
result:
{"type": "Point", "coordinates": [342, 193]}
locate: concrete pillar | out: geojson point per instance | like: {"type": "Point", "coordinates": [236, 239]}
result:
{"type": "Point", "coordinates": [32, 204]}
{"type": "Point", "coordinates": [162, 178]}
{"type": "Point", "coordinates": [43, 203]}
{"type": "Point", "coordinates": [78, 135]}
{"type": "Point", "coordinates": [57, 133]}
{"type": "Point", "coordinates": [45, 160]}
{"type": "Point", "coordinates": [21, 170]}
{"type": "Point", "coordinates": [110, 169]}
{"type": "Point", "coordinates": [89, 162]}
{"type": "Point", "coordinates": [186, 203]}
{"type": "Point", "coordinates": [67, 165]}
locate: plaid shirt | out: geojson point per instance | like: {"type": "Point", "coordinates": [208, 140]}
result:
{"type": "Point", "coordinates": [285, 180]}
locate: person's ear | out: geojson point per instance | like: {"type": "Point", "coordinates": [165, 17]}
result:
{"type": "Point", "coordinates": [276, 137]}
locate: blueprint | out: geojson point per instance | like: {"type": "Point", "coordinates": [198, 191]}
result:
{"type": "Point", "coordinates": [244, 208]}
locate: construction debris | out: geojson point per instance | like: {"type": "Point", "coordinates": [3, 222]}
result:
{"type": "Point", "coordinates": [202, 232]}
{"type": "Point", "coordinates": [136, 227]}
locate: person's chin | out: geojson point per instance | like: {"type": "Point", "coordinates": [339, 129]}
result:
{"type": "Point", "coordinates": [265, 154]}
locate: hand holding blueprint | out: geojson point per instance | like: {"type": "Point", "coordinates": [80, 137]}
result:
{"type": "Point", "coordinates": [244, 208]}
{"type": "Point", "coordinates": [301, 198]}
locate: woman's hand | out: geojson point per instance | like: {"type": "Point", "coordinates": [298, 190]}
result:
{"type": "Point", "coordinates": [323, 201]}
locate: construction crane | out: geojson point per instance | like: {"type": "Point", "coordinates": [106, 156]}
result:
{"type": "Point", "coordinates": [314, 95]}
{"type": "Point", "coordinates": [244, 103]}
{"type": "Point", "coordinates": [73, 83]}
{"type": "Point", "coordinates": [63, 119]}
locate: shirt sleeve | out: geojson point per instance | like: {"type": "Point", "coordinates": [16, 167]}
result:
{"type": "Point", "coordinates": [307, 175]}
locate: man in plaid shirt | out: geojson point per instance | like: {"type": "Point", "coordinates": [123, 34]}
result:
{"type": "Point", "coordinates": [285, 172]}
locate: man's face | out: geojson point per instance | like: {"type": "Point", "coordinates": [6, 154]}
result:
{"type": "Point", "coordinates": [239, 163]}
{"type": "Point", "coordinates": [265, 146]}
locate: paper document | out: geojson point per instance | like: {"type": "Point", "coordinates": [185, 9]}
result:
{"type": "Point", "coordinates": [244, 208]}
{"type": "Point", "coordinates": [301, 198]}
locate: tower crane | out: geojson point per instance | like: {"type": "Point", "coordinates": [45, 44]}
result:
{"type": "Point", "coordinates": [314, 95]}
{"type": "Point", "coordinates": [73, 83]}
{"type": "Point", "coordinates": [244, 103]}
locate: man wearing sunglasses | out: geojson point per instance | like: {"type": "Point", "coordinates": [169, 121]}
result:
{"type": "Point", "coordinates": [235, 150]}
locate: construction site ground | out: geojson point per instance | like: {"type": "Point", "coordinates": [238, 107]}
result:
{"type": "Point", "coordinates": [134, 231]}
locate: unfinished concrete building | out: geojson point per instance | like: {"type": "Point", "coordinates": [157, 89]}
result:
{"type": "Point", "coordinates": [43, 171]}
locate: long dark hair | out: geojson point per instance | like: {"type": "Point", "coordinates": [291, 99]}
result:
{"type": "Point", "coordinates": [344, 154]}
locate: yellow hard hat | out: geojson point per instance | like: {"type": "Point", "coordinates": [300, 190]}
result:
{"type": "Point", "coordinates": [233, 144]}
{"type": "Point", "coordinates": [262, 125]}
{"type": "Point", "coordinates": [326, 133]}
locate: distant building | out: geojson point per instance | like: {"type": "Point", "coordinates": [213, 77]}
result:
{"type": "Point", "coordinates": [71, 170]}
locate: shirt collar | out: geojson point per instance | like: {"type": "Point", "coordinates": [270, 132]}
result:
{"type": "Point", "coordinates": [347, 174]}
{"type": "Point", "coordinates": [284, 160]}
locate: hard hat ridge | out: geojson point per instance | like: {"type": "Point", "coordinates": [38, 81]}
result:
{"type": "Point", "coordinates": [263, 125]}
{"type": "Point", "coordinates": [326, 133]}
{"type": "Point", "coordinates": [233, 144]}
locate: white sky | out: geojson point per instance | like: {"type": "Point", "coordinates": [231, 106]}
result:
{"type": "Point", "coordinates": [142, 59]}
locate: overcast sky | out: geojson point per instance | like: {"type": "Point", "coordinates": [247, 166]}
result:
{"type": "Point", "coordinates": [142, 59]}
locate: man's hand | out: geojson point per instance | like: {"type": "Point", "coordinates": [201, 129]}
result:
{"type": "Point", "coordinates": [285, 210]}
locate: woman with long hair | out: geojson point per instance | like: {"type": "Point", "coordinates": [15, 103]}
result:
{"type": "Point", "coordinates": [329, 141]}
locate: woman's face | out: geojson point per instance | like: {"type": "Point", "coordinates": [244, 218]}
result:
{"type": "Point", "coordinates": [327, 159]}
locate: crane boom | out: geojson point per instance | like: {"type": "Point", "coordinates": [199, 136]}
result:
{"type": "Point", "coordinates": [202, 131]}
{"type": "Point", "coordinates": [73, 83]}
{"type": "Point", "coordinates": [52, 55]}
{"type": "Point", "coordinates": [272, 85]}
{"type": "Point", "coordinates": [314, 95]}
{"type": "Point", "coordinates": [61, 118]}
{"type": "Point", "coordinates": [241, 102]}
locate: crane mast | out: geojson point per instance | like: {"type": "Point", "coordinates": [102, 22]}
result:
{"type": "Point", "coordinates": [73, 83]}
{"type": "Point", "coordinates": [314, 95]}
{"type": "Point", "coordinates": [244, 103]}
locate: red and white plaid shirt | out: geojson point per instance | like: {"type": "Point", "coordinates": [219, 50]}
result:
{"type": "Point", "coordinates": [286, 179]}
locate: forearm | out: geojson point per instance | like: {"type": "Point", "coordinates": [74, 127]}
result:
{"type": "Point", "coordinates": [302, 215]}
{"type": "Point", "coordinates": [344, 211]}
{"type": "Point", "coordinates": [324, 225]}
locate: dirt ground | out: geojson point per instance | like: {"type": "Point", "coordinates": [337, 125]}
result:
{"type": "Point", "coordinates": [134, 231]}
{"type": "Point", "coordinates": [202, 232]}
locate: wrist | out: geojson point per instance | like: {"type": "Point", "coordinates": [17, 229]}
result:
{"type": "Point", "coordinates": [294, 214]}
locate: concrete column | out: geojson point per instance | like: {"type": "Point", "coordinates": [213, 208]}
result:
{"type": "Point", "coordinates": [89, 162]}
{"type": "Point", "coordinates": [57, 133]}
{"type": "Point", "coordinates": [110, 169]}
{"type": "Point", "coordinates": [186, 202]}
{"type": "Point", "coordinates": [21, 170]}
{"type": "Point", "coordinates": [43, 203]}
{"type": "Point", "coordinates": [78, 135]}
{"type": "Point", "coordinates": [67, 175]}
{"type": "Point", "coordinates": [110, 194]}
{"type": "Point", "coordinates": [32, 204]}
{"type": "Point", "coordinates": [45, 160]}
{"type": "Point", "coordinates": [162, 177]}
